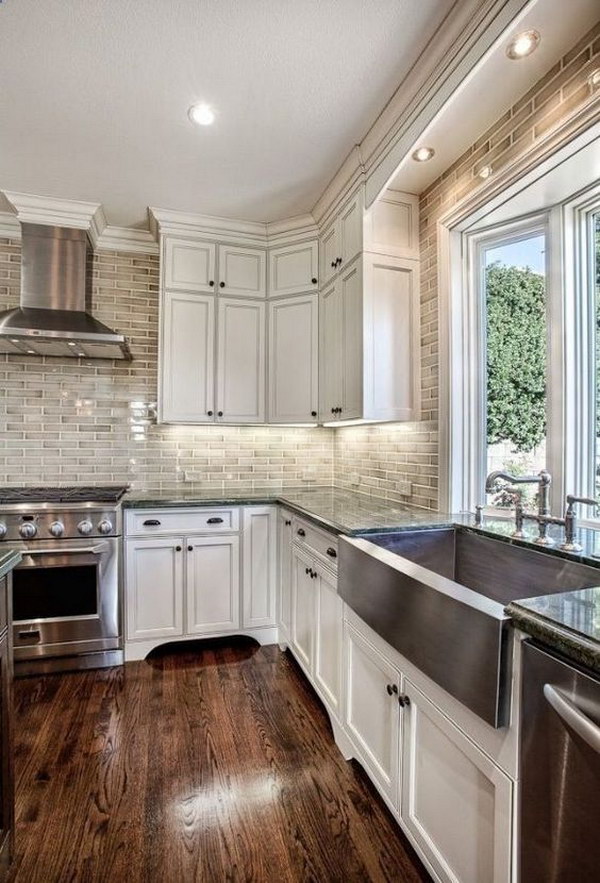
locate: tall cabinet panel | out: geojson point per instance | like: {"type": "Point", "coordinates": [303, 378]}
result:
{"type": "Point", "coordinates": [293, 354]}
{"type": "Point", "coordinates": [241, 361]}
{"type": "Point", "coordinates": [187, 358]}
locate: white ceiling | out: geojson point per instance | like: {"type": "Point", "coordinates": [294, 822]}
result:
{"type": "Point", "coordinates": [95, 96]}
{"type": "Point", "coordinates": [495, 85]}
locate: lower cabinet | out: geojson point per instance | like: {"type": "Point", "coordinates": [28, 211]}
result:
{"type": "Point", "coordinates": [316, 626]}
{"type": "Point", "coordinates": [259, 541]}
{"type": "Point", "coordinates": [372, 711]}
{"type": "Point", "coordinates": [284, 574]}
{"type": "Point", "coordinates": [154, 595]}
{"type": "Point", "coordinates": [212, 584]}
{"type": "Point", "coordinates": [455, 802]}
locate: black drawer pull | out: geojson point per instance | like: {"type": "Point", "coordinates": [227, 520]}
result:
{"type": "Point", "coordinates": [215, 521]}
{"type": "Point", "coordinates": [301, 532]}
{"type": "Point", "coordinates": [287, 522]}
{"type": "Point", "coordinates": [152, 522]}
{"type": "Point", "coordinates": [331, 552]}
{"type": "Point", "coordinates": [32, 633]}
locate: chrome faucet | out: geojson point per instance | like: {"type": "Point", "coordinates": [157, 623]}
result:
{"type": "Point", "coordinates": [569, 544]}
{"type": "Point", "coordinates": [543, 479]}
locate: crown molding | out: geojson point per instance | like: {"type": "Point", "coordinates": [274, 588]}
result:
{"type": "Point", "coordinates": [9, 226]}
{"type": "Point", "coordinates": [126, 239]}
{"type": "Point", "coordinates": [296, 229]}
{"type": "Point", "coordinates": [170, 221]}
{"type": "Point", "coordinates": [33, 209]}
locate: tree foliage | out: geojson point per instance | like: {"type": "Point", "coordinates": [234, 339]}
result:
{"type": "Point", "coordinates": [516, 356]}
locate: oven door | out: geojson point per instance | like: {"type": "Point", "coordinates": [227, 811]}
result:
{"type": "Point", "coordinates": [65, 599]}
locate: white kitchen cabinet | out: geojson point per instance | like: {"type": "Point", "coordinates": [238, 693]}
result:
{"type": "Point", "coordinates": [372, 711]}
{"type": "Point", "coordinates": [212, 584]}
{"type": "Point", "coordinates": [259, 541]}
{"type": "Point", "coordinates": [187, 358]}
{"type": "Point", "coordinates": [455, 802]}
{"type": "Point", "coordinates": [327, 663]}
{"type": "Point", "coordinates": [189, 264]}
{"type": "Point", "coordinates": [284, 575]}
{"type": "Point", "coordinates": [342, 240]}
{"type": "Point", "coordinates": [241, 361]}
{"type": "Point", "coordinates": [154, 579]}
{"type": "Point", "coordinates": [293, 359]}
{"type": "Point", "coordinates": [293, 269]}
{"type": "Point", "coordinates": [303, 608]}
{"type": "Point", "coordinates": [391, 225]}
{"type": "Point", "coordinates": [369, 342]}
{"type": "Point", "coordinates": [242, 271]}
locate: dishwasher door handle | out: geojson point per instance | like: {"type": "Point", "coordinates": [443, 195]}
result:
{"type": "Point", "coordinates": [573, 717]}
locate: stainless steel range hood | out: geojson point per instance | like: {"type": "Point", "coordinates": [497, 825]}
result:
{"type": "Point", "coordinates": [53, 318]}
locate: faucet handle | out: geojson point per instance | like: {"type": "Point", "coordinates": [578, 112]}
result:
{"type": "Point", "coordinates": [587, 501]}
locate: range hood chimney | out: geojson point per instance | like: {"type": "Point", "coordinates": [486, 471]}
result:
{"type": "Point", "coordinates": [53, 318]}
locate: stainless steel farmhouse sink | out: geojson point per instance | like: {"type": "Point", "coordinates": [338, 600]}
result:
{"type": "Point", "coordinates": [438, 597]}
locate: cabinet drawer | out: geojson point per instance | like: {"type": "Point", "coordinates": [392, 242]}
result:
{"type": "Point", "coordinates": [177, 521]}
{"type": "Point", "coordinates": [320, 543]}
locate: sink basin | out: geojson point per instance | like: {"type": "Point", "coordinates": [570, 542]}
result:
{"type": "Point", "coordinates": [438, 597]}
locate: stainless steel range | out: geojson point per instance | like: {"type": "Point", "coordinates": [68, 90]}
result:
{"type": "Point", "coordinates": [66, 608]}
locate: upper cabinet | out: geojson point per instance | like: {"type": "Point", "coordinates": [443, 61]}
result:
{"type": "Point", "coordinates": [188, 265]}
{"type": "Point", "coordinates": [242, 271]}
{"type": "Point", "coordinates": [293, 269]}
{"type": "Point", "coordinates": [369, 312]}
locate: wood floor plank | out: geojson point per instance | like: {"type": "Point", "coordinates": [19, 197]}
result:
{"type": "Point", "coordinates": [210, 761]}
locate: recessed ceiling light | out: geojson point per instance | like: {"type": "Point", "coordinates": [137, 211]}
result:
{"type": "Point", "coordinates": [523, 44]}
{"type": "Point", "coordinates": [201, 114]}
{"type": "Point", "coordinates": [422, 154]}
{"type": "Point", "coordinates": [485, 172]}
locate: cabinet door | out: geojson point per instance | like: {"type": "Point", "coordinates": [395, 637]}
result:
{"type": "Point", "coordinates": [241, 361]}
{"type": "Point", "coordinates": [187, 358]}
{"type": "Point", "coordinates": [154, 588]}
{"type": "Point", "coordinates": [350, 223]}
{"type": "Point", "coordinates": [189, 264]}
{"type": "Point", "coordinates": [293, 359]}
{"type": "Point", "coordinates": [455, 801]}
{"type": "Point", "coordinates": [329, 253]}
{"type": "Point", "coordinates": [284, 606]}
{"type": "Point", "coordinates": [303, 609]}
{"type": "Point", "coordinates": [351, 327]}
{"type": "Point", "coordinates": [330, 387]}
{"type": "Point", "coordinates": [259, 537]}
{"type": "Point", "coordinates": [212, 584]}
{"type": "Point", "coordinates": [372, 712]}
{"type": "Point", "coordinates": [328, 639]}
{"type": "Point", "coordinates": [242, 271]}
{"type": "Point", "coordinates": [293, 269]}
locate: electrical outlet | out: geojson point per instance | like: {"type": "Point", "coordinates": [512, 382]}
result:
{"type": "Point", "coordinates": [405, 488]}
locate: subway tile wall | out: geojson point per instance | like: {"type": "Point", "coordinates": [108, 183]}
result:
{"type": "Point", "coordinates": [385, 455]}
{"type": "Point", "coordinates": [78, 421]}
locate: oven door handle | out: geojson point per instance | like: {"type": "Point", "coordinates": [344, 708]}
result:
{"type": "Point", "coordinates": [573, 717]}
{"type": "Point", "coordinates": [88, 550]}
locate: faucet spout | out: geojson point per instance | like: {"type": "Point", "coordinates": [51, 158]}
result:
{"type": "Point", "coordinates": [493, 477]}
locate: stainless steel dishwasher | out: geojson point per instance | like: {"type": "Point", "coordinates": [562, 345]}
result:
{"type": "Point", "coordinates": [560, 771]}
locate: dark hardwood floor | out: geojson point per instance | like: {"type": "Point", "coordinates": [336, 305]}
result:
{"type": "Point", "coordinates": [211, 762]}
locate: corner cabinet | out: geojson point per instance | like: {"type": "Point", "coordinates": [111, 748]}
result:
{"type": "Point", "coordinates": [197, 572]}
{"type": "Point", "coordinates": [369, 347]}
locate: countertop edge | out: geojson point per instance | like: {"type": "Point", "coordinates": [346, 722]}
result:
{"type": "Point", "coordinates": [572, 644]}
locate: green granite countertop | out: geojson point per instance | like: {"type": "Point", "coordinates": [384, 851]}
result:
{"type": "Point", "coordinates": [335, 509]}
{"type": "Point", "coordinates": [568, 622]}
{"type": "Point", "coordinates": [8, 560]}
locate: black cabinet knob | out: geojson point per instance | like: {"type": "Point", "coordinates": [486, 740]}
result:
{"type": "Point", "coordinates": [403, 700]}
{"type": "Point", "coordinates": [301, 532]}
{"type": "Point", "coordinates": [212, 283]}
{"type": "Point", "coordinates": [210, 413]}
{"type": "Point", "coordinates": [338, 261]}
{"type": "Point", "coordinates": [333, 410]}
{"type": "Point", "coordinates": [287, 522]}
{"type": "Point", "coordinates": [313, 413]}
{"type": "Point", "coordinates": [314, 280]}
{"type": "Point", "coordinates": [190, 548]}
{"type": "Point", "coordinates": [219, 413]}
{"type": "Point", "coordinates": [307, 570]}
{"type": "Point", "coordinates": [331, 552]}
{"type": "Point", "coordinates": [178, 548]}
{"type": "Point", "coordinates": [391, 688]}
{"type": "Point", "coordinates": [333, 263]}
{"type": "Point", "coordinates": [221, 285]}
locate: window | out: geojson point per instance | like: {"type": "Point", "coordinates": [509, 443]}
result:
{"type": "Point", "coordinates": [594, 248]}
{"type": "Point", "coordinates": [513, 301]}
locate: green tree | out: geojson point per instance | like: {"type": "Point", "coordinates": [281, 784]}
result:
{"type": "Point", "coordinates": [516, 356]}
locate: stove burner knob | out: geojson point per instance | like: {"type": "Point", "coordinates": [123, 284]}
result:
{"type": "Point", "coordinates": [28, 530]}
{"type": "Point", "coordinates": [57, 529]}
{"type": "Point", "coordinates": [105, 526]}
{"type": "Point", "coordinates": [3, 530]}
{"type": "Point", "coordinates": [85, 527]}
